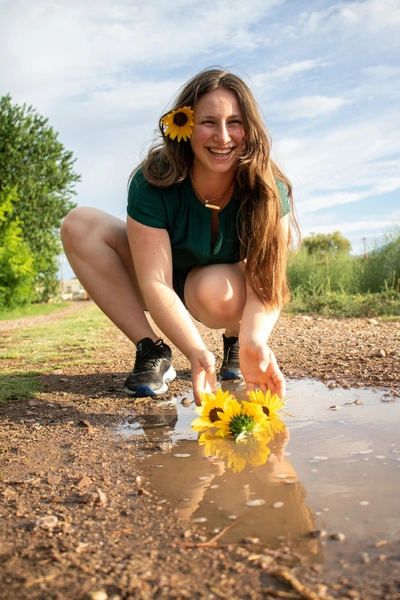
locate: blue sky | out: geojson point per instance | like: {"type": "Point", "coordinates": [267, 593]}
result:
{"type": "Point", "coordinates": [326, 76]}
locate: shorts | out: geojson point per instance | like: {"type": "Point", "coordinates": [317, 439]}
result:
{"type": "Point", "coordinates": [178, 283]}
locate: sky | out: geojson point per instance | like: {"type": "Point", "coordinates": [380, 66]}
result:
{"type": "Point", "coordinates": [326, 76]}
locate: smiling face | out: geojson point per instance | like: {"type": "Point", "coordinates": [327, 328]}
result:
{"type": "Point", "coordinates": [218, 137]}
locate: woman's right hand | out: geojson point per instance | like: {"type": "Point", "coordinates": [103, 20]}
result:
{"type": "Point", "coordinates": [204, 378]}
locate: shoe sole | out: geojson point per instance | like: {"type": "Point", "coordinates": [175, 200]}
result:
{"type": "Point", "coordinates": [231, 375]}
{"type": "Point", "coordinates": [143, 391]}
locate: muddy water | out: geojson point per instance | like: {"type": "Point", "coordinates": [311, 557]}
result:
{"type": "Point", "coordinates": [334, 473]}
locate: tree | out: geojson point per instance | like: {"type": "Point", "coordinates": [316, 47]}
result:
{"type": "Point", "coordinates": [36, 165]}
{"type": "Point", "coordinates": [17, 273]}
{"type": "Point", "coordinates": [324, 244]}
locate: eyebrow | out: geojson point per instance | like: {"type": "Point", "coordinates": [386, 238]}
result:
{"type": "Point", "coordinates": [214, 117]}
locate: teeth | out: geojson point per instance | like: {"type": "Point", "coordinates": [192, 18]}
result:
{"type": "Point", "coordinates": [221, 152]}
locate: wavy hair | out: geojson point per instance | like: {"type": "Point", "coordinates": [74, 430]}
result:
{"type": "Point", "coordinates": [264, 241]}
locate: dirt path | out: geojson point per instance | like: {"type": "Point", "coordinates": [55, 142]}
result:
{"type": "Point", "coordinates": [77, 519]}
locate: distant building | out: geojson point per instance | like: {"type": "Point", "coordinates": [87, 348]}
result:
{"type": "Point", "coordinates": [71, 289]}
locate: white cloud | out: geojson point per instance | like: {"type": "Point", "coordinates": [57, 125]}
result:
{"type": "Point", "coordinates": [306, 107]}
{"type": "Point", "coordinates": [286, 72]}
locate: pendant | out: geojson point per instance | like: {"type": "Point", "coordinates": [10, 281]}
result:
{"type": "Point", "coordinates": [212, 206]}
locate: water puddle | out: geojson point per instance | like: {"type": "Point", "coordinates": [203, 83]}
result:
{"type": "Point", "coordinates": [329, 488]}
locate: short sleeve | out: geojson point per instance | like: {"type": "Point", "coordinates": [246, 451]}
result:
{"type": "Point", "coordinates": [285, 202]}
{"type": "Point", "coordinates": [145, 203]}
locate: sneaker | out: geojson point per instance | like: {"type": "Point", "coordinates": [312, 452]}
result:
{"type": "Point", "coordinates": [230, 368]}
{"type": "Point", "coordinates": [152, 371]}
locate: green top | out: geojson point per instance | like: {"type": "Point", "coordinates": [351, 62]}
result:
{"type": "Point", "coordinates": [188, 222]}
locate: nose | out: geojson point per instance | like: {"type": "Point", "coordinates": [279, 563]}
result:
{"type": "Point", "coordinates": [222, 134]}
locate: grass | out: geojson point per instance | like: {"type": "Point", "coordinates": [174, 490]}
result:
{"type": "Point", "coordinates": [27, 353]}
{"type": "Point", "coordinates": [31, 310]}
{"type": "Point", "coordinates": [19, 386]}
{"type": "Point", "coordinates": [345, 286]}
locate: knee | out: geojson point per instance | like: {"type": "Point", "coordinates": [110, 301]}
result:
{"type": "Point", "coordinates": [219, 299]}
{"type": "Point", "coordinates": [77, 226]}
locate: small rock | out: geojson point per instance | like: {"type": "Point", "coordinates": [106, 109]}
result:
{"type": "Point", "coordinates": [255, 502]}
{"type": "Point", "coordinates": [380, 543]}
{"type": "Point", "coordinates": [200, 520]}
{"type": "Point", "coordinates": [374, 322]}
{"type": "Point", "coordinates": [318, 533]}
{"type": "Point", "coordinates": [102, 497]}
{"type": "Point", "coordinates": [365, 558]}
{"type": "Point", "coordinates": [84, 482]}
{"type": "Point", "coordinates": [54, 479]}
{"type": "Point", "coordinates": [251, 540]}
{"type": "Point", "coordinates": [277, 505]}
{"type": "Point", "coordinates": [337, 536]}
{"type": "Point", "coordinates": [99, 595]}
{"type": "Point", "coordinates": [266, 561]}
{"type": "Point", "coordinates": [186, 402]}
{"type": "Point", "coordinates": [47, 522]}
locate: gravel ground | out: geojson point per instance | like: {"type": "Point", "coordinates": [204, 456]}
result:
{"type": "Point", "coordinates": [78, 519]}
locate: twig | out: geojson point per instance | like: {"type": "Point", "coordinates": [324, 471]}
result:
{"type": "Point", "coordinates": [280, 594]}
{"type": "Point", "coordinates": [301, 589]}
{"type": "Point", "coordinates": [210, 543]}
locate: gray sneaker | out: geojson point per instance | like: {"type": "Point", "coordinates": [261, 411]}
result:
{"type": "Point", "coordinates": [230, 368]}
{"type": "Point", "coordinates": [152, 371]}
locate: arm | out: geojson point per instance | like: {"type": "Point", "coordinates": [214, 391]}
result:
{"type": "Point", "coordinates": [257, 361]}
{"type": "Point", "coordinates": [152, 259]}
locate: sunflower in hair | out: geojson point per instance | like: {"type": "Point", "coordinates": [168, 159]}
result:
{"type": "Point", "coordinates": [178, 123]}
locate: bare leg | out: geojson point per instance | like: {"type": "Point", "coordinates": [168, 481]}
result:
{"type": "Point", "coordinates": [216, 295]}
{"type": "Point", "coordinates": [97, 248]}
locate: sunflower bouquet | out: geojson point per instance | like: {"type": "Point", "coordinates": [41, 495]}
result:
{"type": "Point", "coordinates": [251, 424]}
{"type": "Point", "coordinates": [222, 411]}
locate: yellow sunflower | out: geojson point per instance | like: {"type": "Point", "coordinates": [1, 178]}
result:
{"type": "Point", "coordinates": [238, 420]}
{"type": "Point", "coordinates": [270, 406]}
{"type": "Point", "coordinates": [252, 449]}
{"type": "Point", "coordinates": [211, 407]}
{"type": "Point", "coordinates": [178, 123]}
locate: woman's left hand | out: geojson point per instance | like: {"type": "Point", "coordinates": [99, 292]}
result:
{"type": "Point", "coordinates": [260, 368]}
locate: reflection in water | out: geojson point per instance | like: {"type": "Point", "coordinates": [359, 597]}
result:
{"type": "Point", "coordinates": [344, 450]}
{"type": "Point", "coordinates": [251, 482]}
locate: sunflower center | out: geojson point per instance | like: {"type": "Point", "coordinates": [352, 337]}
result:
{"type": "Point", "coordinates": [213, 416]}
{"type": "Point", "coordinates": [266, 410]}
{"type": "Point", "coordinates": [180, 119]}
{"type": "Point", "coordinates": [241, 424]}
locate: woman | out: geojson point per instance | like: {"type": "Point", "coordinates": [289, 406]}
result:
{"type": "Point", "coordinates": [207, 233]}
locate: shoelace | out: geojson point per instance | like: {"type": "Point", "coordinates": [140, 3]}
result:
{"type": "Point", "coordinates": [148, 358]}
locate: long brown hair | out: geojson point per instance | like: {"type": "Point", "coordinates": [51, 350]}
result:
{"type": "Point", "coordinates": [264, 243]}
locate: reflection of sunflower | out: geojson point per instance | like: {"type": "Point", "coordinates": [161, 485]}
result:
{"type": "Point", "coordinates": [252, 449]}
{"type": "Point", "coordinates": [270, 406]}
{"type": "Point", "coordinates": [239, 420]}
{"type": "Point", "coordinates": [211, 407]}
{"type": "Point", "coordinates": [179, 123]}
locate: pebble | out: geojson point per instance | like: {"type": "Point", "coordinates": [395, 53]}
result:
{"type": "Point", "coordinates": [337, 536]}
{"type": "Point", "coordinates": [47, 522]}
{"type": "Point", "coordinates": [186, 402]}
{"type": "Point", "coordinates": [255, 502]}
{"type": "Point", "coordinates": [364, 503]}
{"type": "Point", "coordinates": [317, 533]}
{"type": "Point", "coordinates": [200, 520]}
{"type": "Point", "coordinates": [251, 540]}
{"type": "Point", "coordinates": [277, 504]}
{"type": "Point", "coordinates": [181, 455]}
{"type": "Point", "coordinates": [233, 517]}
{"type": "Point", "coordinates": [99, 595]}
{"type": "Point", "coordinates": [214, 487]}
{"type": "Point", "coordinates": [320, 458]}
